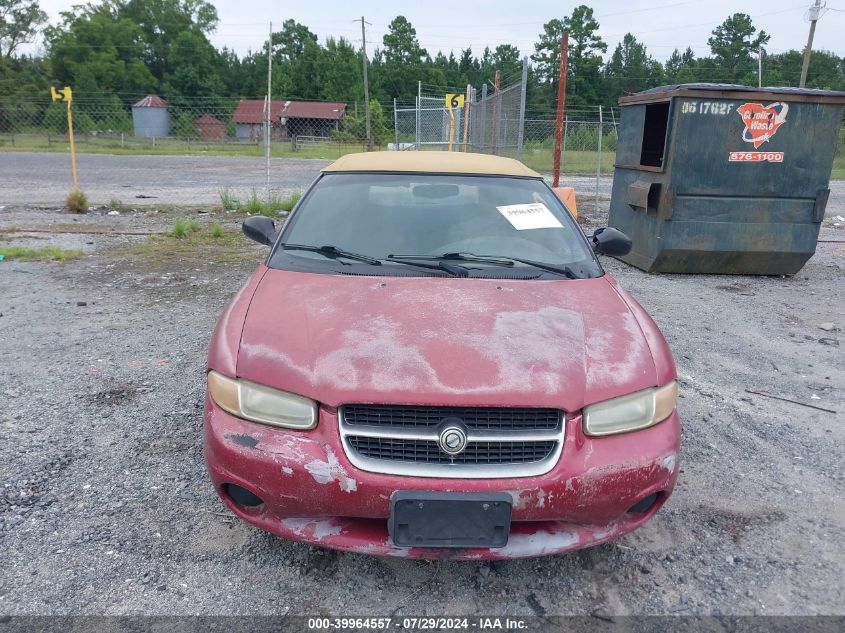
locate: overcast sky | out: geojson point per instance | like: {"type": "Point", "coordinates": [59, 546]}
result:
{"type": "Point", "coordinates": [662, 25]}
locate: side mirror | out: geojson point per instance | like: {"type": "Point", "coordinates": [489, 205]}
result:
{"type": "Point", "coordinates": [260, 228]}
{"type": "Point", "coordinates": [610, 241]}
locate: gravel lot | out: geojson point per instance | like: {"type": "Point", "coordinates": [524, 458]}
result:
{"type": "Point", "coordinates": [43, 179]}
{"type": "Point", "coordinates": [105, 506]}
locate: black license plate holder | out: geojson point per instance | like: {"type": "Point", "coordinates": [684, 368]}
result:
{"type": "Point", "coordinates": [450, 519]}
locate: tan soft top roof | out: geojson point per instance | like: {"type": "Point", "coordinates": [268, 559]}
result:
{"type": "Point", "coordinates": [432, 162]}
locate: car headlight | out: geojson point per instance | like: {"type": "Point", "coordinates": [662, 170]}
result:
{"type": "Point", "coordinates": [630, 413]}
{"type": "Point", "coordinates": [258, 403]}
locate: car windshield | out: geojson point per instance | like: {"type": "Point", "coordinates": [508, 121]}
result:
{"type": "Point", "coordinates": [405, 215]}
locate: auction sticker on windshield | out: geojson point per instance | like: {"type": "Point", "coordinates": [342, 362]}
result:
{"type": "Point", "coordinates": [535, 215]}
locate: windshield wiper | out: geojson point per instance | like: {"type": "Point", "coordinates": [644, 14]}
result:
{"type": "Point", "coordinates": [452, 269]}
{"type": "Point", "coordinates": [494, 260]}
{"type": "Point", "coordinates": [334, 252]}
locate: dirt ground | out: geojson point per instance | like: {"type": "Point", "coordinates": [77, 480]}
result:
{"type": "Point", "coordinates": [106, 508]}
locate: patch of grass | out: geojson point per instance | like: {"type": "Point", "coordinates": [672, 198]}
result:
{"type": "Point", "coordinates": [167, 252]}
{"type": "Point", "coordinates": [48, 254]}
{"type": "Point", "coordinates": [573, 161]}
{"type": "Point", "coordinates": [254, 205]}
{"type": "Point", "coordinates": [77, 201]}
{"type": "Point", "coordinates": [217, 231]}
{"type": "Point", "coordinates": [40, 141]}
{"type": "Point", "coordinates": [288, 203]}
{"type": "Point", "coordinates": [228, 201]}
{"type": "Point", "coordinates": [182, 227]}
{"type": "Point", "coordinates": [116, 203]}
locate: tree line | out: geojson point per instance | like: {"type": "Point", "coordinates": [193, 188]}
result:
{"type": "Point", "coordinates": [120, 50]}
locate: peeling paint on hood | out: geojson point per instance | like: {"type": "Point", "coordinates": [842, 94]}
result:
{"type": "Point", "coordinates": [429, 340]}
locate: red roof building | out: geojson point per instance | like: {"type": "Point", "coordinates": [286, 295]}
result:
{"type": "Point", "coordinates": [210, 128]}
{"type": "Point", "coordinates": [287, 118]}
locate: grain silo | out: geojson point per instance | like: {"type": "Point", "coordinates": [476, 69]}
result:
{"type": "Point", "coordinates": [150, 117]}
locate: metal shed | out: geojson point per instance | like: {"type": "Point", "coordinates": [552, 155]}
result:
{"type": "Point", "coordinates": [722, 178]}
{"type": "Point", "coordinates": [288, 119]}
{"type": "Point", "coordinates": [150, 117]}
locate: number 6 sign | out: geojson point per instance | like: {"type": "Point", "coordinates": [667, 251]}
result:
{"type": "Point", "coordinates": [454, 100]}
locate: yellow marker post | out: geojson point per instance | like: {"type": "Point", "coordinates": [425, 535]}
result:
{"type": "Point", "coordinates": [453, 101]}
{"type": "Point", "coordinates": [66, 95]}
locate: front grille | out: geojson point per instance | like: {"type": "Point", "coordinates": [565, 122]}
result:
{"type": "Point", "coordinates": [404, 440]}
{"type": "Point", "coordinates": [480, 418]}
{"type": "Point", "coordinates": [428, 452]}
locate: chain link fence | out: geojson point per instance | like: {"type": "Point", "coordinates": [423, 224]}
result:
{"type": "Point", "coordinates": [208, 152]}
{"type": "Point", "coordinates": [230, 137]}
{"type": "Point", "coordinates": [186, 126]}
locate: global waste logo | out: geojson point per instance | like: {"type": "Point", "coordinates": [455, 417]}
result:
{"type": "Point", "coordinates": [761, 124]}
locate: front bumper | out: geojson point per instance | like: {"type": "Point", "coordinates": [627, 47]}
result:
{"type": "Point", "coordinates": [313, 494]}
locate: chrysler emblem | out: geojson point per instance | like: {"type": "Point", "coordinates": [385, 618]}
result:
{"type": "Point", "coordinates": [452, 440]}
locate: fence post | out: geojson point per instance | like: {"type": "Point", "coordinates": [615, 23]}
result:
{"type": "Point", "coordinates": [598, 160]}
{"type": "Point", "coordinates": [522, 90]}
{"type": "Point", "coordinates": [482, 130]}
{"type": "Point", "coordinates": [419, 114]}
{"type": "Point", "coordinates": [496, 108]}
{"type": "Point", "coordinates": [417, 124]}
{"type": "Point", "coordinates": [395, 125]}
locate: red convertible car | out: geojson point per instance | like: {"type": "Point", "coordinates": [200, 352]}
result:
{"type": "Point", "coordinates": [432, 363]}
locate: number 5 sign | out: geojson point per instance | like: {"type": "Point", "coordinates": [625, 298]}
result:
{"type": "Point", "coordinates": [454, 100]}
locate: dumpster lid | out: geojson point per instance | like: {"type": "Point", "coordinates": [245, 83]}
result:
{"type": "Point", "coordinates": [734, 91]}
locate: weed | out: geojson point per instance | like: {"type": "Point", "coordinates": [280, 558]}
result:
{"type": "Point", "coordinates": [179, 228]}
{"type": "Point", "coordinates": [115, 203]}
{"type": "Point", "coordinates": [77, 201]}
{"type": "Point", "coordinates": [229, 202]}
{"type": "Point", "coordinates": [253, 205]}
{"type": "Point", "coordinates": [50, 253]}
{"type": "Point", "coordinates": [183, 226]}
{"type": "Point", "coordinates": [271, 208]}
{"type": "Point", "coordinates": [287, 204]}
{"type": "Point", "coordinates": [216, 231]}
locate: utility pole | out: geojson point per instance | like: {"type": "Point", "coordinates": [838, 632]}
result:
{"type": "Point", "coordinates": [815, 10]}
{"type": "Point", "coordinates": [366, 85]}
{"type": "Point", "coordinates": [760, 67]}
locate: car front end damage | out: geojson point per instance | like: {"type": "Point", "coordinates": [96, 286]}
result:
{"type": "Point", "coordinates": [301, 485]}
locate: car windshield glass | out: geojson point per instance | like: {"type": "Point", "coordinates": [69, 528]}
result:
{"type": "Point", "coordinates": [379, 215]}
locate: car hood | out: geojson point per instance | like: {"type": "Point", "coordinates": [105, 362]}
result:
{"type": "Point", "coordinates": [424, 340]}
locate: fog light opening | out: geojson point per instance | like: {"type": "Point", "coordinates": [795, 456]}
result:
{"type": "Point", "coordinates": [645, 504]}
{"type": "Point", "coordinates": [242, 496]}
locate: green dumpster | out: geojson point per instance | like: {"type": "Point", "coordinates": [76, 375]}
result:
{"type": "Point", "coordinates": [717, 178]}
